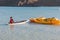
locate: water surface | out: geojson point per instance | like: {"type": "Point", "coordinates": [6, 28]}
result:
{"type": "Point", "coordinates": [28, 31]}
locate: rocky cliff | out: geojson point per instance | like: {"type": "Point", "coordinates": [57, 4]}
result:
{"type": "Point", "coordinates": [29, 2]}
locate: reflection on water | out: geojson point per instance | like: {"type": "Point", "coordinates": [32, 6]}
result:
{"type": "Point", "coordinates": [12, 27]}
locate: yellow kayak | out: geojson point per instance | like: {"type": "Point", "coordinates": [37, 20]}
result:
{"type": "Point", "coordinates": [42, 20]}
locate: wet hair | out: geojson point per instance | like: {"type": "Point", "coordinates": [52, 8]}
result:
{"type": "Point", "coordinates": [11, 17]}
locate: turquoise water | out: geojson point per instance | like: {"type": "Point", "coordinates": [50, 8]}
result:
{"type": "Point", "coordinates": [28, 31]}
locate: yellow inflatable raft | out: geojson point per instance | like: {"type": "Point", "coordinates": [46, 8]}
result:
{"type": "Point", "coordinates": [42, 20]}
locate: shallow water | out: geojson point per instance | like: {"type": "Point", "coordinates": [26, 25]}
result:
{"type": "Point", "coordinates": [28, 31]}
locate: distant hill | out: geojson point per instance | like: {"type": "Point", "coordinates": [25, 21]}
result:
{"type": "Point", "coordinates": [30, 3]}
